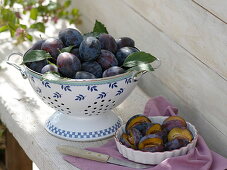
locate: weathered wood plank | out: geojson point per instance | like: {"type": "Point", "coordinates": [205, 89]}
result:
{"type": "Point", "coordinates": [217, 8]}
{"type": "Point", "coordinates": [201, 88]}
{"type": "Point", "coordinates": [189, 25]}
{"type": "Point", "coordinates": [16, 158]}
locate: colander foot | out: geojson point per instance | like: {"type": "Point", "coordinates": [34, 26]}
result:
{"type": "Point", "coordinates": [83, 128]}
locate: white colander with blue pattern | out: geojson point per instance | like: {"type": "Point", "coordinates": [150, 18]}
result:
{"type": "Point", "coordinates": [83, 107]}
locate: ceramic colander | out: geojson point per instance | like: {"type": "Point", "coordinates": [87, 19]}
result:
{"type": "Point", "coordinates": [83, 107]}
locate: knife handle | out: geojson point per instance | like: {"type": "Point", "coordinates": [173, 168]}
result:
{"type": "Point", "coordinates": [73, 151]}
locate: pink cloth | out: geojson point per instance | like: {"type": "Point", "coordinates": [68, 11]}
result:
{"type": "Point", "coordinates": [201, 158]}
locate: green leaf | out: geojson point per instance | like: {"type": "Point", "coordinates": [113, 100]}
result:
{"type": "Point", "coordinates": [29, 37]}
{"type": "Point", "coordinates": [12, 26]}
{"type": "Point", "coordinates": [67, 49]}
{"type": "Point", "coordinates": [67, 3]}
{"type": "Point", "coordinates": [12, 2]}
{"type": "Point", "coordinates": [35, 55]}
{"type": "Point", "coordinates": [42, 9]}
{"type": "Point", "coordinates": [52, 76]}
{"type": "Point", "coordinates": [99, 27]}
{"type": "Point", "coordinates": [142, 67]}
{"type": "Point", "coordinates": [6, 2]}
{"type": "Point", "coordinates": [4, 28]}
{"type": "Point", "coordinates": [8, 16]}
{"type": "Point", "coordinates": [60, 14]}
{"type": "Point", "coordinates": [138, 58]}
{"type": "Point", "coordinates": [38, 26]}
{"type": "Point", "coordinates": [34, 13]}
{"type": "Point", "coordinates": [75, 12]}
{"type": "Point", "coordinates": [23, 26]}
{"type": "Point", "coordinates": [12, 32]}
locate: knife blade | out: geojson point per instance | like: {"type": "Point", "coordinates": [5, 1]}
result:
{"type": "Point", "coordinates": [82, 153]}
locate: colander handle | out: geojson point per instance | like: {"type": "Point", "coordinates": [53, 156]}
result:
{"type": "Point", "coordinates": [22, 71]}
{"type": "Point", "coordinates": [139, 74]}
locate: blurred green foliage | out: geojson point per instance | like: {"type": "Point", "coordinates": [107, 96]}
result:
{"type": "Point", "coordinates": [40, 12]}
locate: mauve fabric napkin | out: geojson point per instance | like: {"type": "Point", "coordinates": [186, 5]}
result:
{"type": "Point", "coordinates": [200, 158]}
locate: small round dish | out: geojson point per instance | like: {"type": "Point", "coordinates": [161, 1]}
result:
{"type": "Point", "coordinates": [154, 157]}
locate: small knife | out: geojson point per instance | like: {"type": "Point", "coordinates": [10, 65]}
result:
{"type": "Point", "coordinates": [73, 151]}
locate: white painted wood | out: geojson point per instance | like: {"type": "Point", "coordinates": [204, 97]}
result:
{"type": "Point", "coordinates": [24, 114]}
{"type": "Point", "coordinates": [197, 85]}
{"type": "Point", "coordinates": [218, 8]}
{"type": "Point", "coordinates": [190, 26]}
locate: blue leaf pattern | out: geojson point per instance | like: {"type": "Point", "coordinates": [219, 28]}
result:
{"type": "Point", "coordinates": [57, 95]}
{"type": "Point", "coordinates": [128, 80]}
{"type": "Point", "coordinates": [80, 97]}
{"type": "Point", "coordinates": [66, 87]}
{"type": "Point", "coordinates": [113, 85]}
{"type": "Point", "coordinates": [119, 91]}
{"type": "Point", "coordinates": [92, 88]}
{"type": "Point", "coordinates": [46, 84]}
{"type": "Point", "coordinates": [101, 95]}
{"type": "Point", "coordinates": [32, 78]}
{"type": "Point", "coordinates": [38, 90]}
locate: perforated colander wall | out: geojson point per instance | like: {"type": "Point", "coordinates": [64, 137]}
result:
{"type": "Point", "coordinates": [96, 108]}
{"type": "Point", "coordinates": [99, 107]}
{"type": "Point", "coordinates": [54, 103]}
{"type": "Point", "coordinates": [89, 99]}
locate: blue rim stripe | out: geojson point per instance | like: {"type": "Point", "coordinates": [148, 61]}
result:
{"type": "Point", "coordinates": [82, 83]}
{"type": "Point", "coordinates": [83, 135]}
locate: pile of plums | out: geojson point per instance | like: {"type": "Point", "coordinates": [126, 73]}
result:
{"type": "Point", "coordinates": [142, 134]}
{"type": "Point", "coordinates": [91, 56]}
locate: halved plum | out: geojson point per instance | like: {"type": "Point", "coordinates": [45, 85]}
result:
{"type": "Point", "coordinates": [151, 139]}
{"type": "Point", "coordinates": [124, 139]}
{"type": "Point", "coordinates": [135, 120]}
{"type": "Point", "coordinates": [172, 122]}
{"type": "Point", "coordinates": [153, 148]}
{"type": "Point", "coordinates": [142, 127]}
{"type": "Point", "coordinates": [174, 118]}
{"type": "Point", "coordinates": [180, 133]}
{"type": "Point", "coordinates": [134, 136]}
{"type": "Point", "coordinates": [176, 144]}
{"type": "Point", "coordinates": [162, 134]}
{"type": "Point", "coordinates": [154, 129]}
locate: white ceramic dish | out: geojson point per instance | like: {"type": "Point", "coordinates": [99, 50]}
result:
{"type": "Point", "coordinates": [154, 157]}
